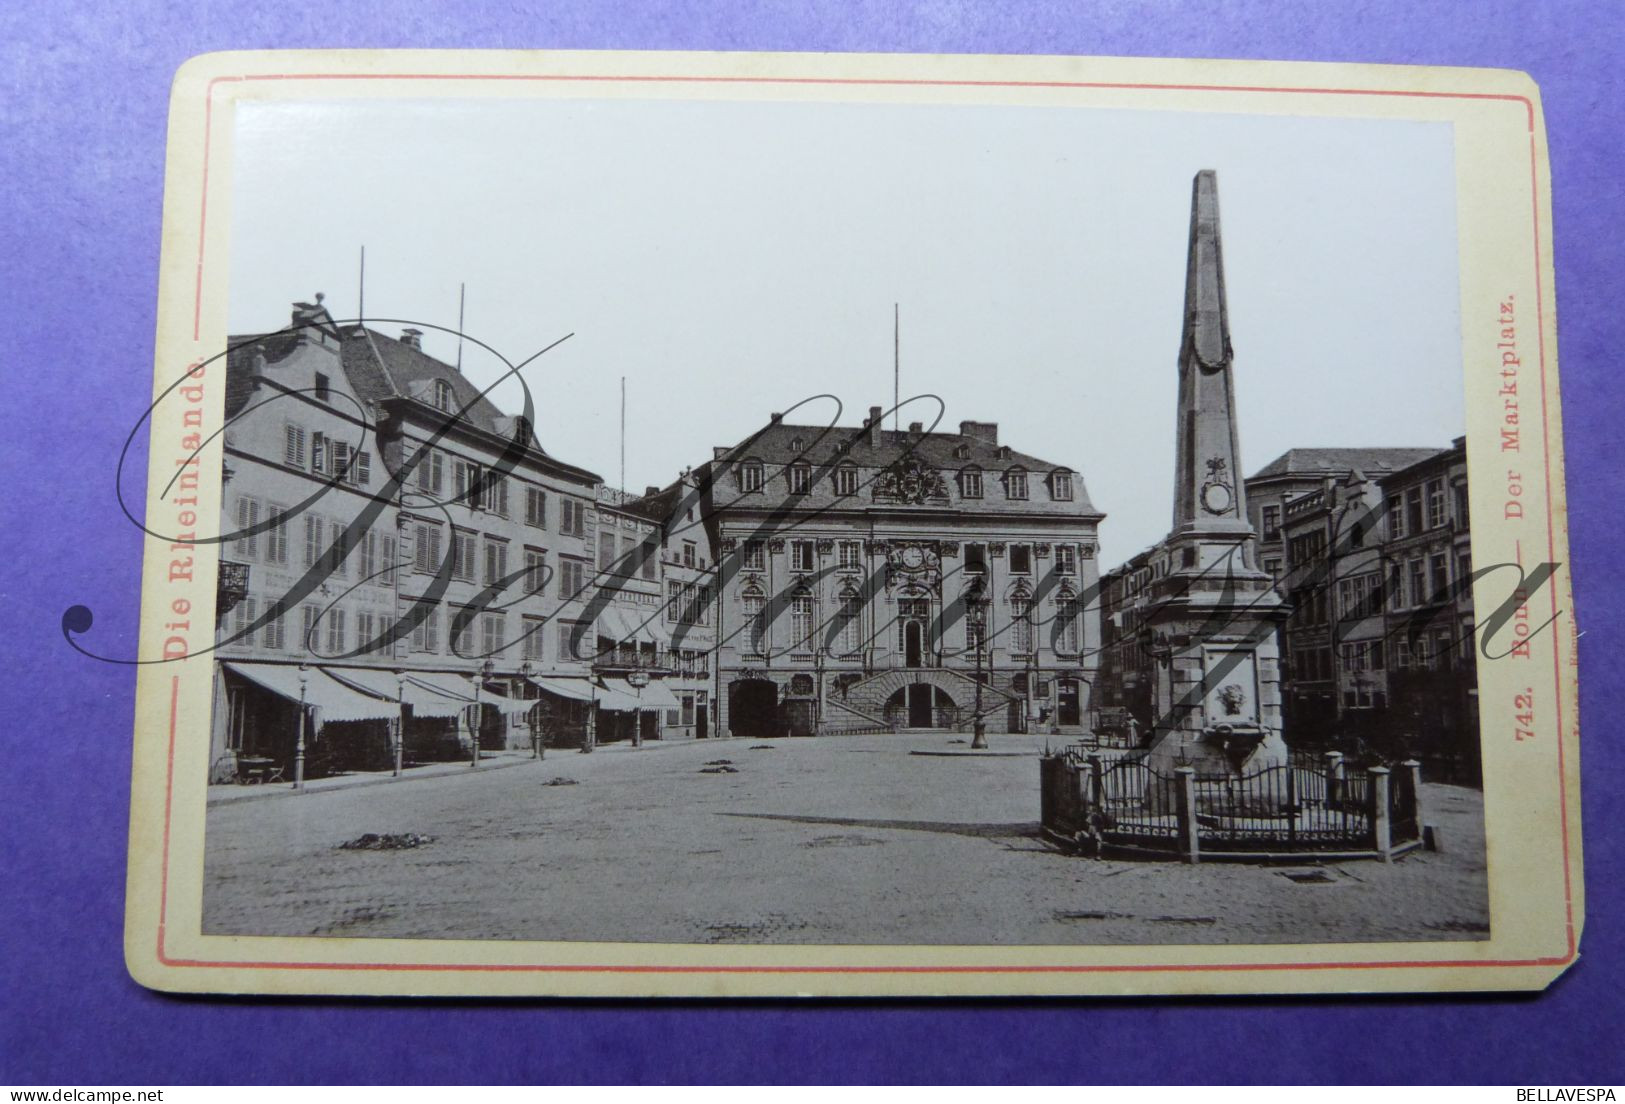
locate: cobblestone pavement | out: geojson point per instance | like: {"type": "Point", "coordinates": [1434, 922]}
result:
{"type": "Point", "coordinates": [838, 840]}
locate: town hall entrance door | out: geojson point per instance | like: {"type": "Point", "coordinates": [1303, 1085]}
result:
{"type": "Point", "coordinates": [913, 648]}
{"type": "Point", "coordinates": [753, 708]}
{"type": "Point", "coordinates": [1068, 710]}
{"type": "Point", "coordinates": [919, 705]}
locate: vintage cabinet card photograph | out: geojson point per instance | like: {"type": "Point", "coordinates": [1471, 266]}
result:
{"type": "Point", "coordinates": [749, 525]}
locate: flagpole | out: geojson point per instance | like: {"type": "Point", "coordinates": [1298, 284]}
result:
{"type": "Point", "coordinates": [462, 294]}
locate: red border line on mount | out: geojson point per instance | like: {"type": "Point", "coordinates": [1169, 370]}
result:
{"type": "Point", "coordinates": [1557, 960]}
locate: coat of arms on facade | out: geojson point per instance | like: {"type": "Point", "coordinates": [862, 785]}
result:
{"type": "Point", "coordinates": [1217, 496]}
{"type": "Point", "coordinates": [910, 482]}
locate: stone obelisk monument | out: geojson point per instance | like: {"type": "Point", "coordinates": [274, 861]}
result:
{"type": "Point", "coordinates": [1214, 613]}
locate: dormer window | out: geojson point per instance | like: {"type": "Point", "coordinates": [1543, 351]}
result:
{"type": "Point", "coordinates": [750, 477]}
{"type": "Point", "coordinates": [797, 444]}
{"type": "Point", "coordinates": [970, 483]}
{"type": "Point", "coordinates": [1004, 452]}
{"type": "Point", "coordinates": [1060, 486]}
{"type": "Point", "coordinates": [800, 478]}
{"type": "Point", "coordinates": [1015, 483]}
{"type": "Point", "coordinates": [442, 395]}
{"type": "Point", "coordinates": [846, 480]}
{"type": "Point", "coordinates": [962, 452]}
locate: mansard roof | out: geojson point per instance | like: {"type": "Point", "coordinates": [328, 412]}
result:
{"type": "Point", "coordinates": [382, 367]}
{"type": "Point", "coordinates": [1434, 460]}
{"type": "Point", "coordinates": [948, 453]}
{"type": "Point", "coordinates": [773, 446]}
{"type": "Point", "coordinates": [379, 368]}
{"type": "Point", "coordinates": [1316, 462]}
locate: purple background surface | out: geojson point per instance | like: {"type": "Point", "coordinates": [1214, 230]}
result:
{"type": "Point", "coordinates": [84, 101]}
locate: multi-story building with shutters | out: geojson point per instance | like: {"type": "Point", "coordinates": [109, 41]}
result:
{"type": "Point", "coordinates": [413, 575]}
{"type": "Point", "coordinates": [1432, 661]}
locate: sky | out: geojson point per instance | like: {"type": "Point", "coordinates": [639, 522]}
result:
{"type": "Point", "coordinates": [731, 259]}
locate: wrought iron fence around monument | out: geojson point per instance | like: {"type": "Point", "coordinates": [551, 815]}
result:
{"type": "Point", "coordinates": [1120, 805]}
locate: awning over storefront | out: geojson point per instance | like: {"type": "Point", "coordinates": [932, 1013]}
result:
{"type": "Point", "coordinates": [614, 694]}
{"type": "Point", "coordinates": [624, 624]}
{"type": "Point", "coordinates": [508, 707]}
{"type": "Point", "coordinates": [383, 684]}
{"type": "Point", "coordinates": [447, 684]}
{"type": "Point", "coordinates": [459, 690]}
{"type": "Point", "coordinates": [612, 624]}
{"type": "Point", "coordinates": [617, 693]}
{"type": "Point", "coordinates": [337, 701]}
{"type": "Point", "coordinates": [657, 695]}
{"type": "Point", "coordinates": [576, 689]}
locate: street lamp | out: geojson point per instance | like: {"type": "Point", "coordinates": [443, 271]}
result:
{"type": "Point", "coordinates": [1032, 682]}
{"type": "Point", "coordinates": [299, 748]}
{"type": "Point", "coordinates": [978, 623]}
{"type": "Point", "coordinates": [481, 673]}
{"type": "Point", "coordinates": [536, 750]}
{"type": "Point", "coordinates": [818, 704]}
{"type": "Point", "coordinates": [638, 680]}
{"type": "Point", "coordinates": [400, 720]}
{"type": "Point", "coordinates": [591, 736]}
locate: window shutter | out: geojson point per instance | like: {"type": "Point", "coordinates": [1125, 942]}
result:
{"type": "Point", "coordinates": [293, 450]}
{"type": "Point", "coordinates": [338, 545]}
{"type": "Point", "coordinates": [313, 539]}
{"type": "Point", "coordinates": [247, 516]}
{"type": "Point", "coordinates": [276, 540]}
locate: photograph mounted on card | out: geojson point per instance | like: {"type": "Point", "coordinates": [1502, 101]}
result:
{"type": "Point", "coordinates": [740, 525]}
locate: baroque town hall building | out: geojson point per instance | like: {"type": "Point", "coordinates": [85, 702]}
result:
{"type": "Point", "coordinates": [872, 579]}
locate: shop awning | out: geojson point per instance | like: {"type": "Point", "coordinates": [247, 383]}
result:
{"type": "Point", "coordinates": [612, 623]}
{"type": "Point", "coordinates": [508, 707]}
{"type": "Point", "coordinates": [447, 684]}
{"type": "Point", "coordinates": [615, 694]}
{"type": "Point", "coordinates": [619, 694]}
{"type": "Point", "coordinates": [625, 624]}
{"type": "Point", "coordinates": [459, 690]}
{"type": "Point", "coordinates": [336, 701]}
{"type": "Point", "coordinates": [383, 684]}
{"type": "Point", "coordinates": [657, 695]}
{"type": "Point", "coordinates": [576, 689]}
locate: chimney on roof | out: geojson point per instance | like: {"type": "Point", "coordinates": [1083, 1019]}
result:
{"type": "Point", "coordinates": [412, 337]}
{"type": "Point", "coordinates": [916, 429]}
{"type": "Point", "coordinates": [987, 432]}
{"type": "Point", "coordinates": [873, 425]}
{"type": "Point", "coordinates": [650, 490]}
{"type": "Point", "coordinates": [775, 417]}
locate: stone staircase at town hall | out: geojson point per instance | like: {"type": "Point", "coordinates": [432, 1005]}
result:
{"type": "Point", "coordinates": [864, 703]}
{"type": "Point", "coordinates": [843, 719]}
